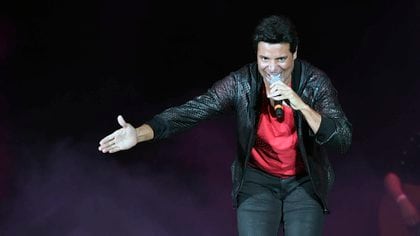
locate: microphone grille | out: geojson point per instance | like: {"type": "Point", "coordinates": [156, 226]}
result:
{"type": "Point", "coordinates": [275, 78]}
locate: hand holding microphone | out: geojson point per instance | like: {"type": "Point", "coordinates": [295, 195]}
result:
{"type": "Point", "coordinates": [280, 91]}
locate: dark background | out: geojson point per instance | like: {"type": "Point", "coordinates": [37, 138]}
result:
{"type": "Point", "coordinates": [68, 68]}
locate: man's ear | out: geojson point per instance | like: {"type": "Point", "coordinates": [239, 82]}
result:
{"type": "Point", "coordinates": [295, 54]}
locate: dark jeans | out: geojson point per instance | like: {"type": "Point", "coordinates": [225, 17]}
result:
{"type": "Point", "coordinates": [267, 202]}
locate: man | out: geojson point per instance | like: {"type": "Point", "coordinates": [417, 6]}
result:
{"type": "Point", "coordinates": [281, 174]}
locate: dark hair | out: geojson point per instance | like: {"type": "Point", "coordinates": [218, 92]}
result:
{"type": "Point", "coordinates": [276, 29]}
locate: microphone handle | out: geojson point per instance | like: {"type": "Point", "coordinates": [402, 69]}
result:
{"type": "Point", "coordinates": [278, 108]}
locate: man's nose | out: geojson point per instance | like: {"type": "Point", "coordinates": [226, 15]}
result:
{"type": "Point", "coordinates": [273, 68]}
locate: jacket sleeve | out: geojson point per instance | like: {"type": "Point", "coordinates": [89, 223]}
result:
{"type": "Point", "coordinates": [213, 103]}
{"type": "Point", "coordinates": [335, 131]}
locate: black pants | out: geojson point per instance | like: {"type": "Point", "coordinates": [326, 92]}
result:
{"type": "Point", "coordinates": [267, 202]}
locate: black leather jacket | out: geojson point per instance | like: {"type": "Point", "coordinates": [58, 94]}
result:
{"type": "Point", "coordinates": [240, 92]}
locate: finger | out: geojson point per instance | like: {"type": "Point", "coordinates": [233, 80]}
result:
{"type": "Point", "coordinates": [276, 93]}
{"type": "Point", "coordinates": [278, 98]}
{"type": "Point", "coordinates": [107, 139]}
{"type": "Point", "coordinates": [277, 83]}
{"type": "Point", "coordinates": [273, 96]}
{"type": "Point", "coordinates": [273, 89]}
{"type": "Point", "coordinates": [280, 88]}
{"type": "Point", "coordinates": [108, 148]}
{"type": "Point", "coordinates": [274, 84]}
{"type": "Point", "coordinates": [121, 121]}
{"type": "Point", "coordinates": [114, 149]}
{"type": "Point", "coordinates": [105, 147]}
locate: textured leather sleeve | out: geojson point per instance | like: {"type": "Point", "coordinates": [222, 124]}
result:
{"type": "Point", "coordinates": [217, 100]}
{"type": "Point", "coordinates": [335, 130]}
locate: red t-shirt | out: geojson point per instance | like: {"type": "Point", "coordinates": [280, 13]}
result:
{"type": "Point", "coordinates": [275, 149]}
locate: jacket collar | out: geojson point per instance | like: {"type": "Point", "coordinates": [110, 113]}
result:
{"type": "Point", "coordinates": [297, 77]}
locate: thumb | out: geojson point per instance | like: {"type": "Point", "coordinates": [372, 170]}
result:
{"type": "Point", "coordinates": [121, 121]}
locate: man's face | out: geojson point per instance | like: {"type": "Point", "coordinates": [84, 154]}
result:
{"type": "Point", "coordinates": [275, 59]}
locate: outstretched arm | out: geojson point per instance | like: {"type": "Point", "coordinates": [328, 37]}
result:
{"type": "Point", "coordinates": [126, 137]}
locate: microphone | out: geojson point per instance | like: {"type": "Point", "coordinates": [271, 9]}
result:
{"type": "Point", "coordinates": [278, 105]}
{"type": "Point", "coordinates": [278, 108]}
